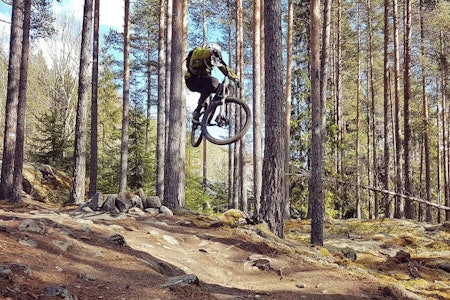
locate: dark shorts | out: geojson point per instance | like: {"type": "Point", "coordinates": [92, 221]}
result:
{"type": "Point", "coordinates": [205, 85]}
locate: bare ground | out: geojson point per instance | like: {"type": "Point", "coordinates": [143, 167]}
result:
{"type": "Point", "coordinates": [96, 256]}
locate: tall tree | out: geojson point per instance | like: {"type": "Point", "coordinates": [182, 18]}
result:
{"type": "Point", "coordinates": [161, 128]}
{"type": "Point", "coordinates": [241, 175]}
{"type": "Point", "coordinates": [373, 105]}
{"type": "Point", "coordinates": [338, 91]}
{"type": "Point", "coordinates": [399, 207]}
{"type": "Point", "coordinates": [290, 29]}
{"type": "Point", "coordinates": [324, 53]}
{"type": "Point", "coordinates": [94, 105]}
{"type": "Point", "coordinates": [77, 190]}
{"type": "Point", "coordinates": [386, 109]}
{"type": "Point", "coordinates": [126, 100]}
{"type": "Point", "coordinates": [439, 166]}
{"type": "Point", "coordinates": [425, 136]}
{"type": "Point", "coordinates": [273, 200]}
{"type": "Point", "coordinates": [409, 205]}
{"type": "Point", "coordinates": [12, 99]}
{"type": "Point", "coordinates": [204, 145]}
{"type": "Point", "coordinates": [231, 148]}
{"type": "Point", "coordinates": [239, 145]}
{"type": "Point", "coordinates": [358, 109]}
{"type": "Point", "coordinates": [443, 65]}
{"type": "Point", "coordinates": [257, 109]}
{"type": "Point", "coordinates": [21, 108]}
{"type": "Point", "coordinates": [168, 69]}
{"type": "Point", "coordinates": [316, 193]}
{"type": "Point", "coordinates": [174, 167]}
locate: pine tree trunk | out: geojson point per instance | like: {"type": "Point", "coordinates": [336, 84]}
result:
{"type": "Point", "coordinates": [399, 207]}
{"type": "Point", "coordinates": [257, 109]}
{"type": "Point", "coordinates": [94, 105]}
{"type": "Point", "coordinates": [386, 119]}
{"type": "Point", "coordinates": [77, 191]}
{"type": "Point", "coordinates": [204, 145]}
{"type": "Point", "coordinates": [428, 216]}
{"type": "Point", "coordinates": [242, 191]}
{"type": "Point", "coordinates": [373, 109]}
{"type": "Point", "coordinates": [12, 99]}
{"type": "Point", "coordinates": [445, 131]}
{"type": "Point", "coordinates": [439, 167]}
{"type": "Point", "coordinates": [338, 98]}
{"type": "Point", "coordinates": [273, 201]}
{"type": "Point", "coordinates": [126, 101]}
{"type": "Point", "coordinates": [174, 168]}
{"type": "Point", "coordinates": [160, 143]}
{"type": "Point", "coordinates": [316, 193]}
{"type": "Point", "coordinates": [168, 69]}
{"type": "Point", "coordinates": [288, 103]}
{"type": "Point", "coordinates": [231, 152]}
{"type": "Point", "coordinates": [22, 104]}
{"type": "Point", "coordinates": [358, 109]}
{"type": "Point", "coordinates": [409, 205]}
{"type": "Point", "coordinates": [149, 87]}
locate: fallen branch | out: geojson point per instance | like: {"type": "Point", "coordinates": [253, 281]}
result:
{"type": "Point", "coordinates": [406, 197]}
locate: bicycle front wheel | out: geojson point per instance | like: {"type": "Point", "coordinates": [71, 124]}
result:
{"type": "Point", "coordinates": [227, 124]}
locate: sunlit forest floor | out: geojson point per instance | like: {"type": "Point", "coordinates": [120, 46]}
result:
{"type": "Point", "coordinates": [49, 252]}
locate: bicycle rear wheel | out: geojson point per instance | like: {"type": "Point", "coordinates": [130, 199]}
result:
{"type": "Point", "coordinates": [226, 125]}
{"type": "Point", "coordinates": [196, 135]}
{"type": "Point", "coordinates": [196, 130]}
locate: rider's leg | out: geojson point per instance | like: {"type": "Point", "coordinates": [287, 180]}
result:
{"type": "Point", "coordinates": [208, 85]}
{"type": "Point", "coordinates": [205, 85]}
{"type": "Point", "coordinates": [197, 110]}
{"type": "Point", "coordinates": [202, 84]}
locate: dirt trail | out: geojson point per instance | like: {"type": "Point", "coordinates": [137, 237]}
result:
{"type": "Point", "coordinates": [96, 256]}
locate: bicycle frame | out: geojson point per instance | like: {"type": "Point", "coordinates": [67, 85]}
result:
{"type": "Point", "coordinates": [222, 93]}
{"type": "Point", "coordinates": [216, 117]}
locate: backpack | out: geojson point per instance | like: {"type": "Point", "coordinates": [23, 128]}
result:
{"type": "Point", "coordinates": [188, 60]}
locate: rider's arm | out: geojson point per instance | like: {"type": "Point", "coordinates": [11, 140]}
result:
{"type": "Point", "coordinates": [223, 66]}
{"type": "Point", "coordinates": [228, 72]}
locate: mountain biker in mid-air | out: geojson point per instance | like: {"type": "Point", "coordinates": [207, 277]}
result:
{"type": "Point", "coordinates": [200, 63]}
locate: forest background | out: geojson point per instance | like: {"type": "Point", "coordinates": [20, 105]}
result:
{"type": "Point", "coordinates": [384, 85]}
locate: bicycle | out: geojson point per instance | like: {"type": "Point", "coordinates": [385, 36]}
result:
{"type": "Point", "coordinates": [223, 119]}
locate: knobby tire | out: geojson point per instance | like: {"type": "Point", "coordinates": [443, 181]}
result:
{"type": "Point", "coordinates": [196, 140]}
{"type": "Point", "coordinates": [210, 113]}
{"type": "Point", "coordinates": [197, 128]}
